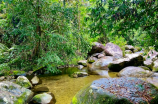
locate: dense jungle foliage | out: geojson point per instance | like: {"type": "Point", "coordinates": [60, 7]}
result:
{"type": "Point", "coordinates": [38, 34]}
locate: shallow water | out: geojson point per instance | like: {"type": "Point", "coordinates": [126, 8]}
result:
{"type": "Point", "coordinates": [64, 87]}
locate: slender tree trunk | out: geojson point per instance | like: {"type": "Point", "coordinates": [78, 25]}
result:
{"type": "Point", "coordinates": [38, 31]}
{"type": "Point", "coordinates": [64, 3]}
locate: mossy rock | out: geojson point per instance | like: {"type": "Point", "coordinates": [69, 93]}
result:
{"type": "Point", "coordinates": [23, 81]}
{"type": "Point", "coordinates": [138, 48]}
{"type": "Point", "coordinates": [12, 93]}
{"type": "Point", "coordinates": [79, 74]}
{"type": "Point", "coordinates": [43, 98]}
{"type": "Point", "coordinates": [128, 52]}
{"type": "Point", "coordinates": [117, 91]}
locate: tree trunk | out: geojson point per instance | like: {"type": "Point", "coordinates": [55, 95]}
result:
{"type": "Point", "coordinates": [38, 32]}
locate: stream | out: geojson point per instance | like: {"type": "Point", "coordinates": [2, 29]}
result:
{"type": "Point", "coordinates": [64, 87]}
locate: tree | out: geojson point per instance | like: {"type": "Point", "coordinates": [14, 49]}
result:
{"type": "Point", "coordinates": [46, 33]}
{"type": "Point", "coordinates": [127, 18]}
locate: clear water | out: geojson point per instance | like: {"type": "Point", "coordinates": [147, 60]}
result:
{"type": "Point", "coordinates": [64, 87]}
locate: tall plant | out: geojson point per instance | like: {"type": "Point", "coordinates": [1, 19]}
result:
{"type": "Point", "coordinates": [46, 33]}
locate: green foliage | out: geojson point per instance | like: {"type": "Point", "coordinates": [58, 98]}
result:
{"type": "Point", "coordinates": [46, 34]}
{"type": "Point", "coordinates": [136, 21]}
{"type": "Point", "coordinates": [50, 33]}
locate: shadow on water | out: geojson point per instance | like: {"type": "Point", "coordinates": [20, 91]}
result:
{"type": "Point", "coordinates": [65, 87]}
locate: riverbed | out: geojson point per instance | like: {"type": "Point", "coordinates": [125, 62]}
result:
{"type": "Point", "coordinates": [64, 87]}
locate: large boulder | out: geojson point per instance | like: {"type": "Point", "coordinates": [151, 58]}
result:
{"type": "Point", "coordinates": [130, 60]}
{"type": "Point", "coordinates": [96, 48]}
{"type": "Point", "coordinates": [155, 67]}
{"type": "Point", "coordinates": [11, 93]}
{"type": "Point", "coordinates": [124, 90]}
{"type": "Point", "coordinates": [24, 82]}
{"type": "Point", "coordinates": [132, 71]}
{"type": "Point", "coordinates": [113, 50]}
{"type": "Point", "coordinates": [119, 64]}
{"type": "Point", "coordinates": [100, 64]}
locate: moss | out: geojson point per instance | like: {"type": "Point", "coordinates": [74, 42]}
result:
{"type": "Point", "coordinates": [86, 96]}
{"type": "Point", "coordinates": [155, 69]}
{"type": "Point", "coordinates": [12, 87]}
{"type": "Point", "coordinates": [21, 99]}
{"type": "Point", "coordinates": [22, 83]}
{"type": "Point", "coordinates": [90, 61]}
{"type": "Point", "coordinates": [154, 100]}
{"type": "Point", "coordinates": [89, 96]}
{"type": "Point", "coordinates": [12, 72]}
{"type": "Point", "coordinates": [1, 101]}
{"type": "Point", "coordinates": [18, 72]}
{"type": "Point", "coordinates": [74, 100]}
{"type": "Point", "coordinates": [37, 98]}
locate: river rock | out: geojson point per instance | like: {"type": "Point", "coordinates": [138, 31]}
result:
{"type": "Point", "coordinates": [135, 50]}
{"type": "Point", "coordinates": [96, 48]}
{"type": "Point", "coordinates": [113, 50]}
{"type": "Point", "coordinates": [100, 64]}
{"type": "Point", "coordinates": [82, 62]}
{"type": "Point", "coordinates": [24, 82]}
{"type": "Point", "coordinates": [2, 78]}
{"type": "Point", "coordinates": [124, 90]}
{"type": "Point", "coordinates": [43, 98]}
{"type": "Point", "coordinates": [145, 68]}
{"type": "Point", "coordinates": [137, 72]}
{"type": "Point", "coordinates": [128, 52]}
{"type": "Point", "coordinates": [152, 80]}
{"type": "Point", "coordinates": [149, 63]}
{"type": "Point", "coordinates": [130, 60]}
{"type": "Point", "coordinates": [92, 59]}
{"type": "Point", "coordinates": [39, 89]}
{"type": "Point", "coordinates": [100, 72]}
{"type": "Point", "coordinates": [152, 54]}
{"type": "Point", "coordinates": [129, 47]}
{"type": "Point", "coordinates": [155, 67]}
{"type": "Point", "coordinates": [101, 55]}
{"type": "Point", "coordinates": [140, 52]}
{"type": "Point", "coordinates": [79, 74]}
{"type": "Point", "coordinates": [11, 93]}
{"type": "Point", "coordinates": [135, 59]}
{"type": "Point", "coordinates": [95, 55]}
{"type": "Point", "coordinates": [35, 80]}
{"type": "Point", "coordinates": [80, 67]}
